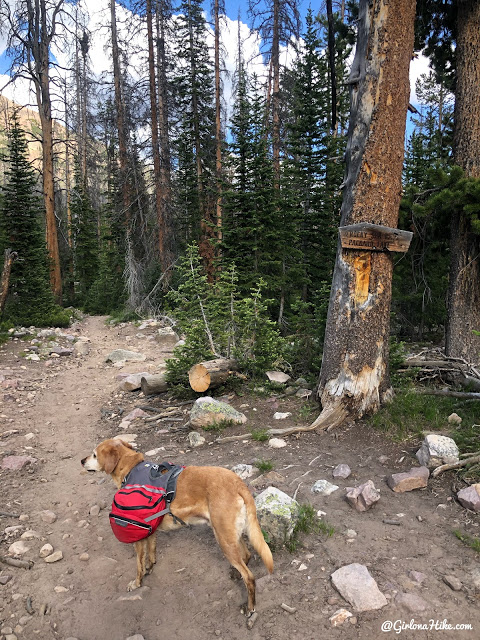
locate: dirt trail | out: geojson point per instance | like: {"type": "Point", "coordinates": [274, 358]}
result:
{"type": "Point", "coordinates": [68, 405]}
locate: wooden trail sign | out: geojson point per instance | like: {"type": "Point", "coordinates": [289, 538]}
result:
{"type": "Point", "coordinates": [374, 237]}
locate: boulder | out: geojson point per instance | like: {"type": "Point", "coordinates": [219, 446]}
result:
{"type": "Point", "coordinates": [416, 478]}
{"type": "Point", "coordinates": [132, 382]}
{"type": "Point", "coordinates": [437, 450]}
{"type": "Point", "coordinates": [341, 471]}
{"type": "Point", "coordinates": [207, 411]}
{"type": "Point", "coordinates": [278, 376]}
{"type": "Point", "coordinates": [277, 514]}
{"type": "Point", "coordinates": [15, 463]}
{"type": "Point", "coordinates": [356, 585]}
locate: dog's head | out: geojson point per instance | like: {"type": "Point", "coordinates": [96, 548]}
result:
{"type": "Point", "coordinates": [114, 456]}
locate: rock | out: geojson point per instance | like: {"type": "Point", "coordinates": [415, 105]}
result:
{"type": "Point", "coordinates": [55, 557]}
{"type": "Point", "coordinates": [18, 548]}
{"type": "Point", "coordinates": [81, 348]}
{"type": "Point", "coordinates": [339, 617]}
{"type": "Point", "coordinates": [278, 376]}
{"type": "Point", "coordinates": [437, 450]}
{"type": "Point", "coordinates": [475, 578]}
{"type": "Point", "coordinates": [13, 530]}
{"type": "Point", "coordinates": [123, 355]}
{"type": "Point", "coordinates": [46, 550]}
{"type": "Point", "coordinates": [323, 487]}
{"type": "Point", "coordinates": [417, 576]}
{"type": "Point", "coordinates": [356, 585]}
{"type": "Point", "coordinates": [244, 471]}
{"type": "Point", "coordinates": [94, 510]}
{"type": "Point", "coordinates": [48, 516]}
{"type": "Point", "coordinates": [207, 411]}
{"type": "Point", "coordinates": [351, 534]}
{"type": "Point", "coordinates": [167, 338]}
{"type": "Point", "coordinates": [383, 459]}
{"type": "Point", "coordinates": [84, 557]}
{"type": "Point", "coordinates": [137, 636]}
{"type": "Point", "coordinates": [411, 602]}
{"type": "Point", "coordinates": [301, 382]}
{"type": "Point", "coordinates": [281, 416]}
{"type": "Point", "coordinates": [277, 514]}
{"type": "Point", "coordinates": [341, 471]}
{"type": "Point", "coordinates": [363, 497]}
{"type": "Point", "coordinates": [16, 463]}
{"type": "Point", "coordinates": [61, 351]}
{"type": "Point", "coordinates": [33, 356]}
{"type": "Point", "coordinates": [303, 393]}
{"type": "Point", "coordinates": [470, 497]}
{"type": "Point", "coordinates": [454, 418]}
{"type": "Point", "coordinates": [60, 589]}
{"type": "Point", "coordinates": [453, 582]}
{"type": "Point", "coordinates": [277, 443]}
{"type": "Point", "coordinates": [4, 579]}
{"type": "Point", "coordinates": [155, 452]}
{"type": "Point", "coordinates": [416, 478]}
{"type": "Point", "coordinates": [133, 415]}
{"type": "Point", "coordinates": [132, 382]}
{"type": "Point", "coordinates": [195, 439]}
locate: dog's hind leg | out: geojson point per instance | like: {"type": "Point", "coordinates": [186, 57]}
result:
{"type": "Point", "coordinates": [141, 551]}
{"type": "Point", "coordinates": [151, 553]}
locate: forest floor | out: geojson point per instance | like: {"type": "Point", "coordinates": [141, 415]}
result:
{"type": "Point", "coordinates": [57, 410]}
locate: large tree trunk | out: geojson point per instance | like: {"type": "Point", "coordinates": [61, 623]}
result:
{"type": "Point", "coordinates": [218, 123]}
{"type": "Point", "coordinates": [165, 232]}
{"type": "Point", "coordinates": [354, 373]}
{"type": "Point", "coordinates": [464, 286]}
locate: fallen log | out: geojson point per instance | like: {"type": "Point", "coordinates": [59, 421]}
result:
{"type": "Point", "coordinates": [155, 383]}
{"type": "Point", "coordinates": [20, 564]}
{"type": "Point", "coordinates": [211, 374]}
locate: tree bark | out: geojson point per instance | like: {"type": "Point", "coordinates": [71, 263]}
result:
{"type": "Point", "coordinates": [9, 258]}
{"type": "Point", "coordinates": [210, 374]}
{"type": "Point", "coordinates": [218, 123]}
{"type": "Point", "coordinates": [153, 384]}
{"type": "Point", "coordinates": [464, 284]}
{"type": "Point", "coordinates": [354, 371]}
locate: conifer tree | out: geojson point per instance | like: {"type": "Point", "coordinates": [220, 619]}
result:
{"type": "Point", "coordinates": [30, 300]}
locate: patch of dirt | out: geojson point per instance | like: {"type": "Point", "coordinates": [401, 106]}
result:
{"type": "Point", "coordinates": [72, 403]}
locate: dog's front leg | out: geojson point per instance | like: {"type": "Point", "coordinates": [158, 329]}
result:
{"type": "Point", "coordinates": [141, 551]}
{"type": "Point", "coordinates": [151, 553]}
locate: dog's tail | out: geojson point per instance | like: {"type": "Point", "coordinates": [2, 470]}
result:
{"type": "Point", "coordinates": [254, 532]}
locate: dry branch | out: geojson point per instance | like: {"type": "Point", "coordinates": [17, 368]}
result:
{"type": "Point", "coordinates": [456, 465]}
{"type": "Point", "coordinates": [20, 564]}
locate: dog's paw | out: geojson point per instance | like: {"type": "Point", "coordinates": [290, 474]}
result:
{"type": "Point", "coordinates": [133, 585]}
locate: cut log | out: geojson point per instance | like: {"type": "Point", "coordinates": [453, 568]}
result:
{"type": "Point", "coordinates": [155, 383]}
{"type": "Point", "coordinates": [210, 374]}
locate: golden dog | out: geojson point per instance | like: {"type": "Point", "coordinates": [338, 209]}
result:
{"type": "Point", "coordinates": [211, 495]}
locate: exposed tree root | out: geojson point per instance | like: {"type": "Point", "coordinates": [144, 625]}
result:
{"type": "Point", "coordinates": [456, 465]}
{"type": "Point", "coordinates": [331, 417]}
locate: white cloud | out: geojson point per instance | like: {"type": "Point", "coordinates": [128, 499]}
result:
{"type": "Point", "coordinates": [420, 64]}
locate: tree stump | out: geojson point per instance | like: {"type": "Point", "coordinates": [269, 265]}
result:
{"type": "Point", "coordinates": [154, 383]}
{"type": "Point", "coordinates": [211, 374]}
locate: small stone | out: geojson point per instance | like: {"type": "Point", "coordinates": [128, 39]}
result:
{"type": "Point", "coordinates": [277, 443]}
{"type": "Point", "coordinates": [323, 487]}
{"type": "Point", "coordinates": [244, 471]}
{"type": "Point", "coordinates": [341, 471]}
{"type": "Point", "coordinates": [30, 535]}
{"type": "Point", "coordinates": [453, 582]}
{"type": "Point", "coordinates": [46, 550]}
{"type": "Point", "coordinates": [411, 602]}
{"type": "Point", "coordinates": [470, 497]}
{"type": "Point", "coordinates": [363, 497]}
{"type": "Point", "coordinates": [55, 557]}
{"type": "Point", "coordinates": [48, 516]}
{"type": "Point", "coordinates": [277, 376]}
{"type": "Point", "coordinates": [417, 576]}
{"type": "Point", "coordinates": [60, 589]}
{"type": "Point", "coordinates": [351, 533]}
{"type": "Point", "coordinates": [416, 478]}
{"type": "Point", "coordinates": [18, 548]}
{"type": "Point", "coordinates": [6, 630]}
{"type": "Point", "coordinates": [383, 459]}
{"type": "Point", "coordinates": [302, 567]}
{"type": "Point", "coordinates": [357, 586]}
{"type": "Point", "coordinates": [339, 617]}
{"type": "Point", "coordinates": [454, 418]}
{"type": "Point", "coordinates": [5, 579]}
{"type": "Point", "coordinates": [95, 510]}
{"type": "Point", "coordinates": [16, 463]}
{"type": "Point", "coordinates": [137, 636]}
{"type": "Point", "coordinates": [195, 439]}
{"type": "Point", "coordinates": [84, 557]}
{"type": "Point", "coordinates": [278, 415]}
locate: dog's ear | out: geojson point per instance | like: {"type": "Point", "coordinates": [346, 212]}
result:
{"type": "Point", "coordinates": [110, 458]}
{"type": "Point", "coordinates": [125, 443]}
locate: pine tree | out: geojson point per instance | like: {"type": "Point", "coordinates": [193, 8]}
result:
{"type": "Point", "coordinates": [194, 86]}
{"type": "Point", "coordinates": [85, 240]}
{"type": "Point", "coordinates": [30, 300]}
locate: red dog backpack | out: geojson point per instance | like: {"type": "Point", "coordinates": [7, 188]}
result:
{"type": "Point", "coordinates": [143, 500]}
